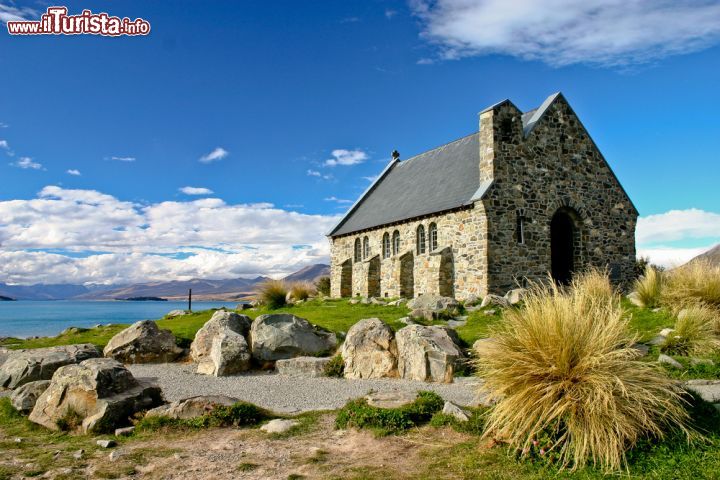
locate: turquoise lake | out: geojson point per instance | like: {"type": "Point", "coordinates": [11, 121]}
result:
{"type": "Point", "coordinates": [26, 318]}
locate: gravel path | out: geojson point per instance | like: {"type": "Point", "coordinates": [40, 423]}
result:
{"type": "Point", "coordinates": [285, 394]}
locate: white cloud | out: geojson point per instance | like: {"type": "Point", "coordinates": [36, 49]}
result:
{"type": "Point", "coordinates": [390, 13]}
{"type": "Point", "coordinates": [671, 257]}
{"type": "Point", "coordinates": [346, 157]}
{"type": "Point", "coordinates": [10, 13]}
{"type": "Point", "coordinates": [27, 163]}
{"type": "Point", "coordinates": [130, 242]}
{"type": "Point", "coordinates": [337, 200]}
{"type": "Point", "coordinates": [372, 178]}
{"type": "Point", "coordinates": [4, 144]}
{"type": "Point", "coordinates": [4, 125]}
{"type": "Point", "coordinates": [123, 159]}
{"type": "Point", "coordinates": [562, 32]}
{"type": "Point", "coordinates": [218, 154]}
{"type": "Point", "coordinates": [656, 234]}
{"type": "Point", "coordinates": [74, 172]}
{"type": "Point", "coordinates": [196, 191]}
{"type": "Point", "coordinates": [677, 225]}
{"type": "Point", "coordinates": [315, 173]}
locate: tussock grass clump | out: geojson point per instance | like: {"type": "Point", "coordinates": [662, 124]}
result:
{"type": "Point", "coordinates": [323, 286]}
{"type": "Point", "coordinates": [695, 282]}
{"type": "Point", "coordinates": [648, 287]}
{"type": "Point", "coordinates": [301, 290]}
{"type": "Point", "coordinates": [695, 333]}
{"type": "Point", "coordinates": [565, 373]}
{"type": "Point", "coordinates": [595, 286]}
{"type": "Point", "coordinates": [384, 421]}
{"type": "Point", "coordinates": [272, 293]}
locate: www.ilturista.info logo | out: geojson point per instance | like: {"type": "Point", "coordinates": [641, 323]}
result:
{"type": "Point", "coordinates": [57, 22]}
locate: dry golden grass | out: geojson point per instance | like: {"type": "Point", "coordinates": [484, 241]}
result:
{"type": "Point", "coordinates": [302, 290]}
{"type": "Point", "coordinates": [696, 332]}
{"type": "Point", "coordinates": [695, 282]}
{"type": "Point", "coordinates": [648, 288]}
{"type": "Point", "coordinates": [272, 293]}
{"type": "Point", "coordinates": [565, 373]}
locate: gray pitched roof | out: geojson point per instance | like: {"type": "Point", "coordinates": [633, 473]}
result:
{"type": "Point", "coordinates": [441, 179]}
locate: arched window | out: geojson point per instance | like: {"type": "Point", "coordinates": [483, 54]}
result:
{"type": "Point", "coordinates": [386, 245]}
{"type": "Point", "coordinates": [396, 242]}
{"type": "Point", "coordinates": [358, 252]}
{"type": "Point", "coordinates": [366, 247]}
{"type": "Point", "coordinates": [433, 237]}
{"type": "Point", "coordinates": [420, 240]}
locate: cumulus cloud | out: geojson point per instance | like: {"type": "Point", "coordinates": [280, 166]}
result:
{"type": "Point", "coordinates": [315, 173]}
{"type": "Point", "coordinates": [658, 235]}
{"type": "Point", "coordinates": [74, 172]}
{"type": "Point", "coordinates": [217, 154]}
{"type": "Point", "coordinates": [4, 144]}
{"type": "Point", "coordinates": [85, 236]}
{"type": "Point", "coordinates": [10, 13]}
{"type": "Point", "coordinates": [562, 32]}
{"type": "Point", "coordinates": [123, 159]}
{"type": "Point", "coordinates": [27, 164]}
{"type": "Point", "coordinates": [196, 191]}
{"type": "Point", "coordinates": [346, 157]}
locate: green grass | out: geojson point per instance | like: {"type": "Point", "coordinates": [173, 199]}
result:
{"type": "Point", "coordinates": [645, 322]}
{"type": "Point", "coordinates": [240, 414]}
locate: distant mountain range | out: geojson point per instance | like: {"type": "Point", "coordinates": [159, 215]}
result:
{"type": "Point", "coordinates": [712, 255]}
{"type": "Point", "coordinates": [203, 289]}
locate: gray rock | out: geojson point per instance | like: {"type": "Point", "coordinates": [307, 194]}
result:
{"type": "Point", "coordinates": [376, 301]}
{"type": "Point", "coordinates": [279, 336]}
{"type": "Point", "coordinates": [635, 299]}
{"type": "Point", "coordinates": [175, 313]}
{"type": "Point", "coordinates": [23, 366]}
{"type": "Point", "coordinates": [78, 454]}
{"type": "Point", "coordinates": [428, 354]}
{"type": "Point", "coordinates": [353, 301]}
{"type": "Point", "coordinates": [406, 321]}
{"type": "Point", "coordinates": [708, 390]}
{"type": "Point", "coordinates": [395, 399]}
{"type": "Point", "coordinates": [515, 296]}
{"type": "Point", "coordinates": [124, 432]}
{"type": "Point", "coordinates": [24, 397]}
{"type": "Point", "coordinates": [143, 342]}
{"type": "Point", "coordinates": [221, 320]}
{"type": "Point", "coordinates": [473, 308]}
{"type": "Point", "coordinates": [279, 426]}
{"type": "Point", "coordinates": [101, 391]}
{"type": "Point", "coordinates": [116, 454]}
{"type": "Point", "coordinates": [492, 299]}
{"type": "Point", "coordinates": [471, 300]}
{"type": "Point", "coordinates": [662, 358]}
{"type": "Point", "coordinates": [243, 306]}
{"type": "Point", "coordinates": [303, 366]}
{"type": "Point", "coordinates": [641, 348]}
{"type": "Point", "coordinates": [434, 307]}
{"type": "Point", "coordinates": [230, 354]}
{"type": "Point", "coordinates": [106, 443]}
{"type": "Point", "coordinates": [460, 414]}
{"type": "Point", "coordinates": [701, 361]}
{"type": "Point", "coordinates": [369, 350]}
{"type": "Point", "coordinates": [192, 407]}
{"type": "Point", "coordinates": [71, 331]}
{"type": "Point", "coordinates": [480, 344]}
{"type": "Point", "coordinates": [457, 322]}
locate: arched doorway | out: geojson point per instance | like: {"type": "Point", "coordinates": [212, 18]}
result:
{"type": "Point", "coordinates": [563, 236]}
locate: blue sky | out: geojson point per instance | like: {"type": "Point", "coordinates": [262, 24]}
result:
{"type": "Point", "coordinates": [246, 102]}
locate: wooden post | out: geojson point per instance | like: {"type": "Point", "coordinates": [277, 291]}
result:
{"type": "Point", "coordinates": [190, 300]}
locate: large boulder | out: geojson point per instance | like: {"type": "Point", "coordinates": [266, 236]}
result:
{"type": "Point", "coordinates": [23, 366]}
{"type": "Point", "coordinates": [229, 354]}
{"type": "Point", "coordinates": [434, 306]}
{"type": "Point", "coordinates": [143, 342]}
{"type": "Point", "coordinates": [192, 407]}
{"type": "Point", "coordinates": [429, 354]}
{"type": "Point", "coordinates": [515, 296]}
{"type": "Point", "coordinates": [303, 366]}
{"type": "Point", "coordinates": [220, 321]}
{"type": "Point", "coordinates": [370, 350]}
{"type": "Point", "coordinates": [281, 335]}
{"type": "Point", "coordinates": [25, 397]}
{"type": "Point", "coordinates": [100, 393]}
{"type": "Point", "coordinates": [492, 299]}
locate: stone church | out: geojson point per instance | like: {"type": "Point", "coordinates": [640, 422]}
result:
{"type": "Point", "coordinates": [527, 195]}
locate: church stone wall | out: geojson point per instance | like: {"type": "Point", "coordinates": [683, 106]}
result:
{"type": "Point", "coordinates": [556, 167]}
{"type": "Point", "coordinates": [457, 265]}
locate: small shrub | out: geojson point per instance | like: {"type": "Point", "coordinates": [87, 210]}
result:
{"type": "Point", "coordinates": [563, 369]}
{"type": "Point", "coordinates": [357, 413]}
{"type": "Point", "coordinates": [595, 286]}
{"type": "Point", "coordinates": [323, 286]}
{"type": "Point", "coordinates": [695, 332]}
{"type": "Point", "coordinates": [301, 291]}
{"type": "Point", "coordinates": [70, 421]}
{"type": "Point", "coordinates": [336, 367]}
{"type": "Point", "coordinates": [272, 293]}
{"type": "Point", "coordinates": [240, 414]}
{"type": "Point", "coordinates": [474, 426]}
{"type": "Point", "coordinates": [695, 282]}
{"type": "Point", "coordinates": [648, 287]}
